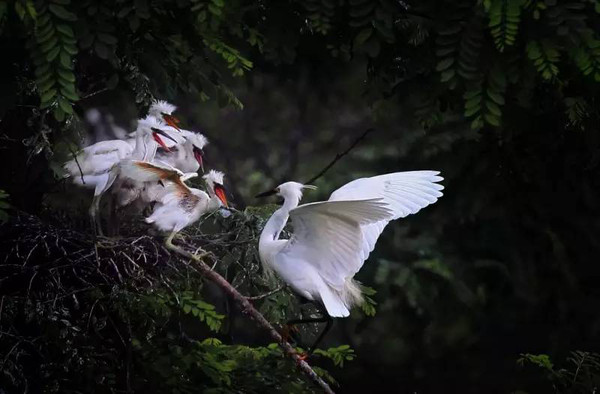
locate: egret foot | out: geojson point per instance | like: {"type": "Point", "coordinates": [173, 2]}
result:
{"type": "Point", "coordinates": [303, 356]}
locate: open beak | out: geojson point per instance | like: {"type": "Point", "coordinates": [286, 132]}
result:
{"type": "Point", "coordinates": [156, 133]}
{"type": "Point", "coordinates": [171, 120]}
{"type": "Point", "coordinates": [266, 194]}
{"type": "Point", "coordinates": [220, 192]}
{"type": "Point", "coordinates": [199, 155]}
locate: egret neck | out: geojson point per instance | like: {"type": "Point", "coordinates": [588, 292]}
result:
{"type": "Point", "coordinates": [277, 221]}
{"type": "Point", "coordinates": [140, 151]}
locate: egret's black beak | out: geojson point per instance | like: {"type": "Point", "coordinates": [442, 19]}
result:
{"type": "Point", "coordinates": [266, 194]}
{"type": "Point", "coordinates": [158, 131]}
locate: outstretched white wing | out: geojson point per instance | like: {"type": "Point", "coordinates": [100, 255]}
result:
{"type": "Point", "coordinates": [403, 193]}
{"type": "Point", "coordinates": [328, 236]}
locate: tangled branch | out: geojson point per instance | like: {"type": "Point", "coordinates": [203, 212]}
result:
{"type": "Point", "coordinates": [255, 315]}
{"type": "Point", "coordinates": [56, 268]}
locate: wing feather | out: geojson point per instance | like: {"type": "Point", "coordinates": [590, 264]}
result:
{"type": "Point", "coordinates": [144, 171]}
{"type": "Point", "coordinates": [404, 193]}
{"type": "Point", "coordinates": [328, 236]}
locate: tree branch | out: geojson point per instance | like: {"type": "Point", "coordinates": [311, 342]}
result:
{"type": "Point", "coordinates": [260, 297]}
{"type": "Point", "coordinates": [340, 155]}
{"type": "Point", "coordinates": [249, 310]}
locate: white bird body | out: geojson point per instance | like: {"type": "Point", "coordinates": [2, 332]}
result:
{"type": "Point", "coordinates": [178, 212]}
{"type": "Point", "coordinates": [97, 166]}
{"type": "Point", "coordinates": [95, 161]}
{"type": "Point", "coordinates": [186, 156]}
{"type": "Point", "coordinates": [332, 239]}
{"type": "Point", "coordinates": [180, 205]}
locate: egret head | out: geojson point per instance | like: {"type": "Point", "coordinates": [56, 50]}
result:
{"type": "Point", "coordinates": [214, 181]}
{"type": "Point", "coordinates": [151, 126]}
{"type": "Point", "coordinates": [163, 110]}
{"type": "Point", "coordinates": [198, 142]}
{"type": "Point", "coordinates": [289, 191]}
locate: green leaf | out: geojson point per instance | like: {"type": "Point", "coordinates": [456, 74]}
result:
{"type": "Point", "coordinates": [66, 75]}
{"type": "Point", "coordinates": [62, 12]}
{"type": "Point", "coordinates": [444, 64]}
{"type": "Point", "coordinates": [492, 119]}
{"type": "Point", "coordinates": [362, 36]}
{"type": "Point", "coordinates": [69, 93]}
{"type": "Point", "coordinates": [53, 54]}
{"type": "Point", "coordinates": [48, 95]}
{"type": "Point", "coordinates": [65, 60]}
{"type": "Point", "coordinates": [65, 105]}
{"type": "Point", "coordinates": [59, 114]}
{"type": "Point", "coordinates": [70, 49]}
{"type": "Point", "coordinates": [497, 97]}
{"type": "Point", "coordinates": [47, 46]}
{"type": "Point", "coordinates": [46, 85]}
{"type": "Point", "coordinates": [66, 30]}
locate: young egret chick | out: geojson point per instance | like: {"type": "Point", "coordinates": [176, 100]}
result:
{"type": "Point", "coordinates": [93, 166]}
{"type": "Point", "coordinates": [181, 206]}
{"type": "Point", "coordinates": [163, 110]}
{"type": "Point", "coordinates": [126, 189]}
{"type": "Point", "coordinates": [332, 239]}
{"type": "Point", "coordinates": [187, 156]}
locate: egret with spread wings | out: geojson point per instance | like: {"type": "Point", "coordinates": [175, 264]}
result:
{"type": "Point", "coordinates": [332, 239]}
{"type": "Point", "coordinates": [180, 205]}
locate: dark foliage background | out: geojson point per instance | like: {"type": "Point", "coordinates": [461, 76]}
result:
{"type": "Point", "coordinates": [492, 289]}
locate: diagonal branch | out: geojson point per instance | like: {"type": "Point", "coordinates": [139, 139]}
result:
{"type": "Point", "coordinates": [249, 310]}
{"type": "Point", "coordinates": [340, 155]}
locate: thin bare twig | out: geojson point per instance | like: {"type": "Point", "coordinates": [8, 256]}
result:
{"type": "Point", "coordinates": [270, 293]}
{"type": "Point", "coordinates": [340, 155]}
{"type": "Point", "coordinates": [76, 162]}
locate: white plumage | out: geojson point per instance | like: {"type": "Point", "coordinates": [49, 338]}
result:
{"type": "Point", "coordinates": [188, 154]}
{"type": "Point", "coordinates": [180, 205]}
{"type": "Point", "coordinates": [332, 239]}
{"type": "Point", "coordinates": [97, 166]}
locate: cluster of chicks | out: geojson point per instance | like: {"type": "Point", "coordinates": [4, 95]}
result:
{"type": "Point", "coordinates": [149, 168]}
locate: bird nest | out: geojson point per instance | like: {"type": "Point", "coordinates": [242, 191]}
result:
{"type": "Point", "coordinates": [50, 261]}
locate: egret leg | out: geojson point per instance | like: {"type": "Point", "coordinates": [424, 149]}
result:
{"type": "Point", "coordinates": [113, 216]}
{"type": "Point", "coordinates": [169, 245]}
{"type": "Point", "coordinates": [94, 208]}
{"type": "Point", "coordinates": [325, 318]}
{"type": "Point", "coordinates": [169, 241]}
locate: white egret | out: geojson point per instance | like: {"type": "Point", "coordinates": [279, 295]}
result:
{"type": "Point", "coordinates": [95, 166]}
{"type": "Point", "coordinates": [181, 205]}
{"type": "Point", "coordinates": [163, 110]}
{"type": "Point", "coordinates": [187, 156]}
{"type": "Point", "coordinates": [332, 239]}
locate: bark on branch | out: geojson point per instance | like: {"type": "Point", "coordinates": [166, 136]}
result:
{"type": "Point", "coordinates": [249, 310]}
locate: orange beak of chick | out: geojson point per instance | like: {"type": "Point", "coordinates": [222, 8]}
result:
{"type": "Point", "coordinates": [172, 121]}
{"type": "Point", "coordinates": [221, 194]}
